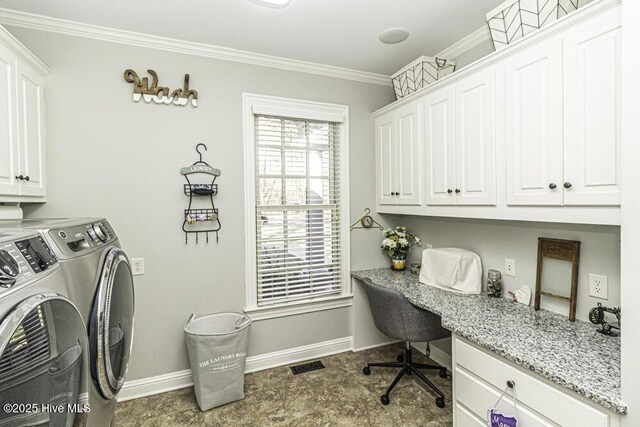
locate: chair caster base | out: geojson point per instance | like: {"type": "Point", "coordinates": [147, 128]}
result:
{"type": "Point", "coordinates": [440, 402]}
{"type": "Point", "coordinates": [366, 370]}
{"type": "Point", "coordinates": [385, 399]}
{"type": "Point", "coordinates": [443, 373]}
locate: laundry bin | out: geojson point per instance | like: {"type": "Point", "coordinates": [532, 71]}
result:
{"type": "Point", "coordinates": [217, 346]}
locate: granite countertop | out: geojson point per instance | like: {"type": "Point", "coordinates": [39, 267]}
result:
{"type": "Point", "coordinates": [571, 354]}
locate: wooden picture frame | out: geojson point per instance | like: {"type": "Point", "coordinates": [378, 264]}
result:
{"type": "Point", "coordinates": [562, 250]}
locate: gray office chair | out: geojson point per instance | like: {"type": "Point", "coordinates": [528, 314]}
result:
{"type": "Point", "coordinates": [397, 318]}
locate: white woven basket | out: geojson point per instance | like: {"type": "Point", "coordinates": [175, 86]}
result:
{"type": "Point", "coordinates": [420, 73]}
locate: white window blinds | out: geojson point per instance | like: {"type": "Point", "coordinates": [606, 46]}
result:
{"type": "Point", "coordinates": [298, 243]}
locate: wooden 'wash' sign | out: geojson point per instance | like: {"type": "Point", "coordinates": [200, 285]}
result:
{"type": "Point", "coordinates": [160, 94]}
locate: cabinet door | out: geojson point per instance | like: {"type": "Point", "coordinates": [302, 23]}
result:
{"type": "Point", "coordinates": [440, 147]}
{"type": "Point", "coordinates": [30, 120]}
{"type": "Point", "coordinates": [407, 149]}
{"type": "Point", "coordinates": [592, 111]}
{"type": "Point", "coordinates": [8, 137]}
{"type": "Point", "coordinates": [385, 159]}
{"type": "Point", "coordinates": [476, 140]}
{"type": "Point", "coordinates": [533, 101]}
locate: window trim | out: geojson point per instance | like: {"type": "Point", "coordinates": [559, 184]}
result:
{"type": "Point", "coordinates": [310, 110]}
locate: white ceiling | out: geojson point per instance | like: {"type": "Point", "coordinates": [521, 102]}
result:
{"type": "Point", "coordinates": [341, 33]}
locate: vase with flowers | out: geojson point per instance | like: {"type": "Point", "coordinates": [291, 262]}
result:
{"type": "Point", "coordinates": [397, 243]}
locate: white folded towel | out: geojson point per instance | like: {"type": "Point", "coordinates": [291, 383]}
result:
{"type": "Point", "coordinates": [452, 269]}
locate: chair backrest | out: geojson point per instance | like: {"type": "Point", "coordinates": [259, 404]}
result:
{"type": "Point", "coordinates": [397, 318]}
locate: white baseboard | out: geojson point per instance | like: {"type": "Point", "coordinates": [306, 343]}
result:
{"type": "Point", "coordinates": [181, 379]}
{"type": "Point", "coordinates": [382, 344]}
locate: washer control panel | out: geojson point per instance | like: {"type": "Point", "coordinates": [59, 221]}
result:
{"type": "Point", "coordinates": [21, 260]}
{"type": "Point", "coordinates": [37, 253]}
{"type": "Point", "coordinates": [86, 237]}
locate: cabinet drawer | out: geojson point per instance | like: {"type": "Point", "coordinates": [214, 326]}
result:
{"type": "Point", "coordinates": [479, 396]}
{"type": "Point", "coordinates": [464, 418]}
{"type": "Point", "coordinates": [554, 404]}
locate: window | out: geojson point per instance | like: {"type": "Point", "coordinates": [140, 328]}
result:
{"type": "Point", "coordinates": [296, 204]}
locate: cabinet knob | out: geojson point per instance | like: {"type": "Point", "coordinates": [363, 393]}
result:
{"type": "Point", "coordinates": [26, 178]}
{"type": "Point", "coordinates": [449, 191]}
{"type": "Point", "coordinates": [457, 190]}
{"type": "Point", "coordinates": [567, 185]}
{"type": "Point", "coordinates": [552, 186]}
{"type": "Point", "coordinates": [20, 177]}
{"type": "Point", "coordinates": [393, 193]}
{"type": "Point", "coordinates": [511, 384]}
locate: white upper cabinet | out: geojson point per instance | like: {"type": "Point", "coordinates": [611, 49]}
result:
{"type": "Point", "coordinates": [439, 132]}
{"type": "Point", "coordinates": [8, 131]}
{"type": "Point", "coordinates": [22, 150]}
{"type": "Point", "coordinates": [30, 120]}
{"type": "Point", "coordinates": [475, 136]}
{"type": "Point", "coordinates": [460, 135]}
{"type": "Point", "coordinates": [592, 112]}
{"type": "Point", "coordinates": [533, 121]}
{"type": "Point", "coordinates": [531, 132]}
{"type": "Point", "coordinates": [398, 157]}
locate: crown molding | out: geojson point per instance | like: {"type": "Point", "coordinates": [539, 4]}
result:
{"type": "Point", "coordinates": [8, 39]}
{"type": "Point", "coordinates": [469, 42]}
{"type": "Point", "coordinates": [77, 29]}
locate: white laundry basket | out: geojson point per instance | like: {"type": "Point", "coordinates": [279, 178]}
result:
{"type": "Point", "coordinates": [217, 346]}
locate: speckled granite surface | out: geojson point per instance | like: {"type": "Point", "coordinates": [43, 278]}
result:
{"type": "Point", "coordinates": [571, 354]}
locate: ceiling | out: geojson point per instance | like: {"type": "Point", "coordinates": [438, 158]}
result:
{"type": "Point", "coordinates": [342, 33]}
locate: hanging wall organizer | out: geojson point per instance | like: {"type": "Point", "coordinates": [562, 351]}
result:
{"type": "Point", "coordinates": [200, 219]}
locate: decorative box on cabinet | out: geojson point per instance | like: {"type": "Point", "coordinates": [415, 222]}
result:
{"type": "Point", "coordinates": [22, 160]}
{"type": "Point", "coordinates": [398, 157]}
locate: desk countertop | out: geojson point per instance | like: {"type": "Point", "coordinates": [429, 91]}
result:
{"type": "Point", "coordinates": [571, 354]}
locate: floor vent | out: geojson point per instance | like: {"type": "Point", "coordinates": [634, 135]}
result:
{"type": "Point", "coordinates": [307, 367]}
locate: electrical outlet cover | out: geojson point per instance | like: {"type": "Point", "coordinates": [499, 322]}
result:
{"type": "Point", "coordinates": [137, 266]}
{"type": "Point", "coordinates": [599, 286]}
{"type": "Point", "coordinates": [509, 267]}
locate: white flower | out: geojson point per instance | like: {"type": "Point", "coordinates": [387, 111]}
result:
{"type": "Point", "coordinates": [403, 242]}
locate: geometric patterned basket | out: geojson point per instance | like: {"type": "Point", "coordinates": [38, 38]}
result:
{"type": "Point", "coordinates": [514, 19]}
{"type": "Point", "coordinates": [419, 74]}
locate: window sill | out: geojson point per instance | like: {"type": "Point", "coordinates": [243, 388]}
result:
{"type": "Point", "coordinates": [298, 307]}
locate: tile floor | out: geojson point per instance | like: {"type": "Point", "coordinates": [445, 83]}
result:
{"type": "Point", "coordinates": [339, 395]}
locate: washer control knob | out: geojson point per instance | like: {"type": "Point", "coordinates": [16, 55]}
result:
{"type": "Point", "coordinates": [9, 269]}
{"type": "Point", "coordinates": [100, 231]}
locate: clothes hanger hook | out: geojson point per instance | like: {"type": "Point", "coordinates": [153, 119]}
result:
{"type": "Point", "coordinates": [367, 211]}
{"type": "Point", "coordinates": [198, 151]}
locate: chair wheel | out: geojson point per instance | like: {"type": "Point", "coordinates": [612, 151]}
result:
{"type": "Point", "coordinates": [440, 402]}
{"type": "Point", "coordinates": [443, 373]}
{"type": "Point", "coordinates": [366, 370]}
{"type": "Point", "coordinates": [400, 358]}
{"type": "Point", "coordinates": [385, 399]}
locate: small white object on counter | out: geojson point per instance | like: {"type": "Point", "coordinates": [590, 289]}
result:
{"type": "Point", "coordinates": [522, 295]}
{"type": "Point", "coordinates": [452, 269]}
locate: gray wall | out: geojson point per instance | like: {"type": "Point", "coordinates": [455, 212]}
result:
{"type": "Point", "coordinates": [496, 240]}
{"type": "Point", "coordinates": [477, 52]}
{"type": "Point", "coordinates": [109, 156]}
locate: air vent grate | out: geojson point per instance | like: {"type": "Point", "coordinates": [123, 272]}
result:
{"type": "Point", "coordinates": [307, 367]}
{"type": "Point", "coordinates": [28, 347]}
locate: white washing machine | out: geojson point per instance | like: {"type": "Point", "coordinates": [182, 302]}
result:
{"type": "Point", "coordinates": [100, 284]}
{"type": "Point", "coordinates": [44, 351]}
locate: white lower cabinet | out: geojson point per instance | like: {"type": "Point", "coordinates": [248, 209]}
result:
{"type": "Point", "coordinates": [480, 377]}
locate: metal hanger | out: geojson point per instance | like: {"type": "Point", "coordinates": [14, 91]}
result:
{"type": "Point", "coordinates": [200, 166]}
{"type": "Point", "coordinates": [366, 221]}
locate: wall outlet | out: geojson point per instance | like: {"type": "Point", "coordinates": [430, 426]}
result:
{"type": "Point", "coordinates": [137, 266]}
{"type": "Point", "coordinates": [598, 286]}
{"type": "Point", "coordinates": [510, 267]}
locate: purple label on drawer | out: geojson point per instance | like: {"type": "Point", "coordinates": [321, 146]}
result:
{"type": "Point", "coordinates": [497, 419]}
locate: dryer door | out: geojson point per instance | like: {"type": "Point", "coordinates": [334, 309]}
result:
{"type": "Point", "coordinates": [43, 343]}
{"type": "Point", "coordinates": [111, 330]}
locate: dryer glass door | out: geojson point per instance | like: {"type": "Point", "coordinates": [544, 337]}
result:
{"type": "Point", "coordinates": [112, 323]}
{"type": "Point", "coordinates": [43, 345]}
